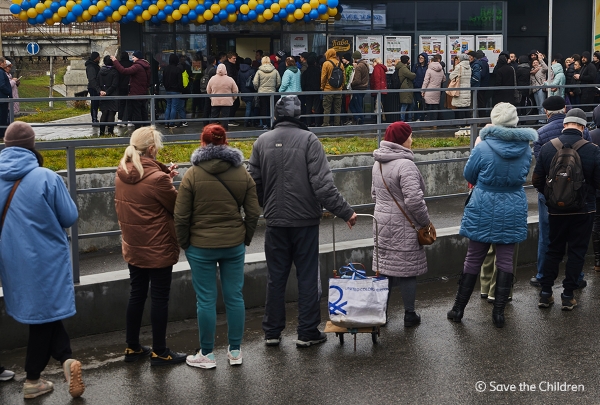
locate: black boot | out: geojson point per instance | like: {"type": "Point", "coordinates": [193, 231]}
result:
{"type": "Point", "coordinates": [503, 284]}
{"type": "Point", "coordinates": [466, 284]}
{"type": "Point", "coordinates": [596, 244]}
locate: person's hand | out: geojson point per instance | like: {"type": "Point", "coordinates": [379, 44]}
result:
{"type": "Point", "coordinates": [576, 76]}
{"type": "Point", "coordinates": [113, 58]}
{"type": "Point", "coordinates": [173, 172]}
{"type": "Point", "coordinates": [352, 221]}
{"type": "Point", "coordinates": [103, 93]}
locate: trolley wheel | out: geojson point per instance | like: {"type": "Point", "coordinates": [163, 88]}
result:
{"type": "Point", "coordinates": [374, 337]}
{"type": "Point", "coordinates": [341, 337]}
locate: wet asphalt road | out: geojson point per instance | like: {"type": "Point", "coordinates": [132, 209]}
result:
{"type": "Point", "coordinates": [438, 362]}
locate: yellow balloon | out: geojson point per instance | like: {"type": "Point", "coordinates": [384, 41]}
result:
{"type": "Point", "coordinates": [192, 4]}
{"type": "Point", "coordinates": [332, 12]}
{"type": "Point", "coordinates": [146, 15]}
{"type": "Point", "coordinates": [56, 18]}
{"type": "Point", "coordinates": [169, 2]}
{"type": "Point", "coordinates": [244, 9]}
{"type": "Point", "coordinates": [215, 8]}
{"type": "Point", "coordinates": [87, 16]}
{"type": "Point", "coordinates": [31, 13]}
{"type": "Point", "coordinates": [161, 4]}
{"type": "Point", "coordinates": [324, 17]}
{"type": "Point", "coordinates": [306, 8]}
{"type": "Point", "coordinates": [49, 21]}
{"type": "Point", "coordinates": [123, 10]}
{"type": "Point", "coordinates": [298, 14]}
{"type": "Point", "coordinates": [252, 4]}
{"type": "Point", "coordinates": [261, 19]}
{"type": "Point", "coordinates": [275, 8]}
{"type": "Point", "coordinates": [23, 16]}
{"type": "Point", "coordinates": [176, 15]}
{"type": "Point", "coordinates": [70, 5]}
{"type": "Point", "coordinates": [268, 14]}
{"type": "Point", "coordinates": [290, 18]}
{"type": "Point", "coordinates": [200, 19]}
{"type": "Point", "coordinates": [79, 19]}
{"type": "Point", "coordinates": [93, 10]}
{"type": "Point", "coordinates": [283, 3]}
{"type": "Point", "coordinates": [17, 2]}
{"type": "Point", "coordinates": [101, 5]}
{"type": "Point", "coordinates": [208, 15]}
{"type": "Point", "coordinates": [48, 4]}
{"type": "Point", "coordinates": [62, 11]}
{"type": "Point", "coordinates": [139, 19]}
{"type": "Point", "coordinates": [314, 3]}
{"type": "Point", "coordinates": [232, 18]}
{"type": "Point", "coordinates": [184, 9]}
{"type": "Point", "coordinates": [39, 8]}
{"type": "Point", "coordinates": [138, 2]}
{"type": "Point", "coordinates": [109, 20]}
{"type": "Point", "coordinates": [223, 4]}
{"type": "Point", "coordinates": [153, 9]}
{"type": "Point", "coordinates": [170, 19]}
{"type": "Point", "coordinates": [130, 4]}
{"type": "Point", "coordinates": [261, 1]}
{"type": "Point", "coordinates": [116, 16]}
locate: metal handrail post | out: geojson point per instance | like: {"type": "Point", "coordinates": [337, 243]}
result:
{"type": "Point", "coordinates": [272, 103]}
{"type": "Point", "coordinates": [152, 112]}
{"type": "Point", "coordinates": [74, 230]}
{"type": "Point", "coordinates": [473, 131]}
{"type": "Point", "coordinates": [379, 109]}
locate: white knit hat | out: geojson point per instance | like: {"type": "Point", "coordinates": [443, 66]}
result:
{"type": "Point", "coordinates": [504, 115]}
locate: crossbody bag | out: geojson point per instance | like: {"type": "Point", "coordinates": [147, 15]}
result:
{"type": "Point", "coordinates": [226, 187]}
{"type": "Point", "coordinates": [10, 196]}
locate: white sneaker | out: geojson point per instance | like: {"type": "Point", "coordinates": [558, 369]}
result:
{"type": "Point", "coordinates": [7, 375]}
{"type": "Point", "coordinates": [234, 356]}
{"type": "Point", "coordinates": [201, 361]}
{"type": "Point", "coordinates": [233, 124]}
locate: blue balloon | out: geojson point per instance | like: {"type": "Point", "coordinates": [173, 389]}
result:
{"type": "Point", "coordinates": [101, 16]}
{"type": "Point", "coordinates": [40, 19]}
{"type": "Point", "coordinates": [238, 4]}
{"type": "Point", "coordinates": [192, 15]}
{"type": "Point", "coordinates": [332, 3]}
{"type": "Point", "coordinates": [230, 9]}
{"type": "Point", "coordinates": [145, 4]}
{"type": "Point", "coordinates": [207, 4]}
{"type": "Point", "coordinates": [176, 5]}
{"type": "Point", "coordinates": [71, 17]}
{"type": "Point", "coordinates": [161, 15]}
{"type": "Point", "coordinates": [322, 9]}
{"type": "Point", "coordinates": [252, 15]}
{"type": "Point", "coordinates": [154, 20]}
{"type": "Point", "coordinates": [276, 18]}
{"type": "Point", "coordinates": [290, 8]}
{"type": "Point", "coordinates": [243, 17]}
{"type": "Point", "coordinates": [114, 4]}
{"type": "Point", "coordinates": [313, 14]}
{"type": "Point", "coordinates": [130, 16]}
{"type": "Point", "coordinates": [63, 3]}
{"type": "Point", "coordinates": [85, 4]}
{"type": "Point", "coordinates": [268, 3]}
{"type": "Point", "coordinates": [54, 6]}
{"type": "Point", "coordinates": [200, 10]}
{"type": "Point", "coordinates": [216, 19]}
{"type": "Point", "coordinates": [222, 14]}
{"type": "Point", "coordinates": [107, 11]}
{"type": "Point", "coordinates": [169, 10]}
{"type": "Point", "coordinates": [77, 10]}
{"type": "Point", "coordinates": [137, 10]}
{"type": "Point", "coordinates": [185, 19]}
{"type": "Point", "coordinates": [306, 18]}
{"type": "Point", "coordinates": [95, 19]}
{"type": "Point", "coordinates": [299, 3]}
{"type": "Point", "coordinates": [15, 8]}
{"type": "Point", "coordinates": [26, 6]}
{"type": "Point", "coordinates": [282, 14]}
{"type": "Point", "coordinates": [47, 13]}
{"type": "Point", "coordinates": [260, 9]}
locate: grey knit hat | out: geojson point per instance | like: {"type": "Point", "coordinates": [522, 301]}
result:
{"type": "Point", "coordinates": [577, 116]}
{"type": "Point", "coordinates": [504, 115]}
{"type": "Point", "coordinates": [288, 106]}
{"type": "Point", "coordinates": [19, 134]}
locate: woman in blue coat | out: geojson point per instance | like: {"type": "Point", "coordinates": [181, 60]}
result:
{"type": "Point", "coordinates": [497, 210]}
{"type": "Point", "coordinates": [290, 81]}
{"type": "Point", "coordinates": [35, 263]}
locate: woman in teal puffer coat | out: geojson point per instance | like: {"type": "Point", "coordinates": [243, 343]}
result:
{"type": "Point", "coordinates": [290, 82]}
{"type": "Point", "coordinates": [497, 210]}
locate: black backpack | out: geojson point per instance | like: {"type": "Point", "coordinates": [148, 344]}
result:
{"type": "Point", "coordinates": [395, 82]}
{"type": "Point", "coordinates": [336, 80]}
{"type": "Point", "coordinates": [565, 184]}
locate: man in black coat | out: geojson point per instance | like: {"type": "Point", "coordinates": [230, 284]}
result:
{"type": "Point", "coordinates": [232, 71]}
{"type": "Point", "coordinates": [587, 75]}
{"type": "Point", "coordinates": [92, 68]}
{"type": "Point", "coordinates": [5, 92]}
{"type": "Point", "coordinates": [570, 228]}
{"type": "Point", "coordinates": [123, 87]}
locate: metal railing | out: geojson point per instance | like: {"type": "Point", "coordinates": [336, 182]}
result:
{"type": "Point", "coordinates": [375, 129]}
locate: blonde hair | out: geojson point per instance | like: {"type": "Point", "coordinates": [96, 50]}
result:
{"type": "Point", "coordinates": [141, 139]}
{"type": "Point", "coordinates": [377, 60]}
{"type": "Point", "coordinates": [265, 60]}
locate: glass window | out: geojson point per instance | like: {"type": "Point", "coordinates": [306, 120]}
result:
{"type": "Point", "coordinates": [477, 16]}
{"type": "Point", "coordinates": [499, 16]}
{"type": "Point", "coordinates": [315, 43]}
{"type": "Point", "coordinates": [398, 17]}
{"type": "Point", "coordinates": [437, 16]}
{"type": "Point", "coordinates": [355, 16]}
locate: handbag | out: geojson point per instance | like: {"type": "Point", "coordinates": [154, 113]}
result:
{"type": "Point", "coordinates": [454, 84]}
{"type": "Point", "coordinates": [426, 235]}
{"type": "Point", "coordinates": [10, 196]}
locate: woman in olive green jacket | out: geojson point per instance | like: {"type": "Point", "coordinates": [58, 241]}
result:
{"type": "Point", "coordinates": [406, 78]}
{"type": "Point", "coordinates": [211, 229]}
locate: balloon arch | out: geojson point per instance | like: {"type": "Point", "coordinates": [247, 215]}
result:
{"type": "Point", "coordinates": [172, 11]}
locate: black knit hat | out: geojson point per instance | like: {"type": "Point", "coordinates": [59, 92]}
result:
{"type": "Point", "coordinates": [554, 103]}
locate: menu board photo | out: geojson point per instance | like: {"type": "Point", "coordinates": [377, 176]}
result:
{"type": "Point", "coordinates": [299, 44]}
{"type": "Point", "coordinates": [432, 45]}
{"type": "Point", "coordinates": [341, 43]}
{"type": "Point", "coordinates": [370, 47]}
{"type": "Point", "coordinates": [459, 44]}
{"type": "Point", "coordinates": [491, 45]}
{"type": "Point", "coordinates": [394, 48]}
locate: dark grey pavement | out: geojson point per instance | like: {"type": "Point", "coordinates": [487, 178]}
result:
{"type": "Point", "coordinates": [438, 362]}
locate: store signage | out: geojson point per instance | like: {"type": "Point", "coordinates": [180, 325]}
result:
{"type": "Point", "coordinates": [432, 45]}
{"type": "Point", "coordinates": [352, 15]}
{"type": "Point", "coordinates": [370, 47]}
{"type": "Point", "coordinates": [299, 44]}
{"type": "Point", "coordinates": [491, 45]}
{"type": "Point", "coordinates": [459, 44]}
{"type": "Point", "coordinates": [341, 43]}
{"type": "Point", "coordinates": [393, 49]}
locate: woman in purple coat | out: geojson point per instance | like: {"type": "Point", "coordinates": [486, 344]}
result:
{"type": "Point", "coordinates": [396, 177]}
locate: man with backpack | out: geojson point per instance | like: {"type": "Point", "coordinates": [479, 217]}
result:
{"type": "Point", "coordinates": [567, 172]}
{"type": "Point", "coordinates": [332, 79]}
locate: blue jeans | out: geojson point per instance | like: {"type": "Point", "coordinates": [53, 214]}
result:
{"type": "Point", "coordinates": [356, 107]}
{"type": "Point", "coordinates": [181, 108]}
{"type": "Point", "coordinates": [403, 108]}
{"type": "Point", "coordinates": [249, 112]}
{"type": "Point", "coordinates": [539, 97]}
{"type": "Point", "coordinates": [172, 107]}
{"type": "Point", "coordinates": [203, 263]}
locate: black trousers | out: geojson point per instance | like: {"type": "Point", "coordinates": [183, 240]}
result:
{"type": "Point", "coordinates": [570, 232]}
{"type": "Point", "coordinates": [107, 116]}
{"type": "Point", "coordinates": [234, 107]}
{"type": "Point", "coordinates": [481, 104]}
{"type": "Point", "coordinates": [122, 104]}
{"type": "Point", "coordinates": [160, 287]}
{"type": "Point", "coordinates": [46, 340]}
{"type": "Point", "coordinates": [284, 246]}
{"type": "Point", "coordinates": [4, 119]}
{"type": "Point", "coordinates": [220, 111]}
{"type": "Point", "coordinates": [94, 104]}
{"type": "Point", "coordinates": [137, 110]}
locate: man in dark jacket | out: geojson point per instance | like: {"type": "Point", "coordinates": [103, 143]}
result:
{"type": "Point", "coordinates": [139, 81]}
{"type": "Point", "coordinates": [475, 75]}
{"type": "Point", "coordinates": [5, 92]}
{"type": "Point", "coordinates": [108, 84]}
{"type": "Point", "coordinates": [245, 76]}
{"type": "Point", "coordinates": [570, 228]}
{"type": "Point", "coordinates": [360, 81]}
{"type": "Point", "coordinates": [555, 112]}
{"type": "Point", "coordinates": [587, 75]}
{"type": "Point", "coordinates": [173, 83]}
{"type": "Point", "coordinates": [310, 80]}
{"type": "Point", "coordinates": [293, 181]}
{"type": "Point", "coordinates": [484, 81]}
{"type": "Point", "coordinates": [419, 69]}
{"type": "Point", "coordinates": [92, 68]}
{"type": "Point", "coordinates": [184, 65]}
{"type": "Point", "coordinates": [123, 85]}
{"type": "Point", "coordinates": [280, 56]}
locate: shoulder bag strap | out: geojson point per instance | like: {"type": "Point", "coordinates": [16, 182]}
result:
{"type": "Point", "coordinates": [224, 185]}
{"type": "Point", "coordinates": [556, 143]}
{"type": "Point", "coordinates": [394, 198]}
{"type": "Point", "coordinates": [579, 144]}
{"type": "Point", "coordinates": [10, 196]}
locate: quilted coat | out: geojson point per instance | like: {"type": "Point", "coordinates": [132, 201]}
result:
{"type": "Point", "coordinates": [400, 254]}
{"type": "Point", "coordinates": [498, 167]}
{"type": "Point", "coordinates": [464, 97]}
{"type": "Point", "coordinates": [434, 77]}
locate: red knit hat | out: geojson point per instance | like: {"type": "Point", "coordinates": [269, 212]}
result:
{"type": "Point", "coordinates": [398, 132]}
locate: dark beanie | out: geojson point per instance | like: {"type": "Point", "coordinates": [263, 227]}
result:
{"type": "Point", "coordinates": [554, 103]}
{"type": "Point", "coordinates": [281, 54]}
{"type": "Point", "coordinates": [586, 55]}
{"type": "Point", "coordinates": [107, 60]}
{"type": "Point", "coordinates": [138, 54]}
{"type": "Point", "coordinates": [356, 55]}
{"type": "Point", "coordinates": [247, 61]}
{"type": "Point", "coordinates": [347, 56]}
{"type": "Point", "coordinates": [19, 134]}
{"type": "Point", "coordinates": [398, 132]}
{"type": "Point", "coordinates": [94, 55]}
{"type": "Point", "coordinates": [523, 59]}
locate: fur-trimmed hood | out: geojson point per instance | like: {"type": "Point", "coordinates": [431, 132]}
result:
{"type": "Point", "coordinates": [507, 142]}
{"type": "Point", "coordinates": [217, 159]}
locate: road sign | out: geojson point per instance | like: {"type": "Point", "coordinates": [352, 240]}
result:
{"type": "Point", "coordinates": [33, 48]}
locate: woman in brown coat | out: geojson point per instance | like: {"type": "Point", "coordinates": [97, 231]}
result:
{"type": "Point", "coordinates": [145, 200]}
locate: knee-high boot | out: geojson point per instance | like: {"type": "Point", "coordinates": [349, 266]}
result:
{"type": "Point", "coordinates": [596, 244]}
{"type": "Point", "coordinates": [503, 285]}
{"type": "Point", "coordinates": [466, 284]}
